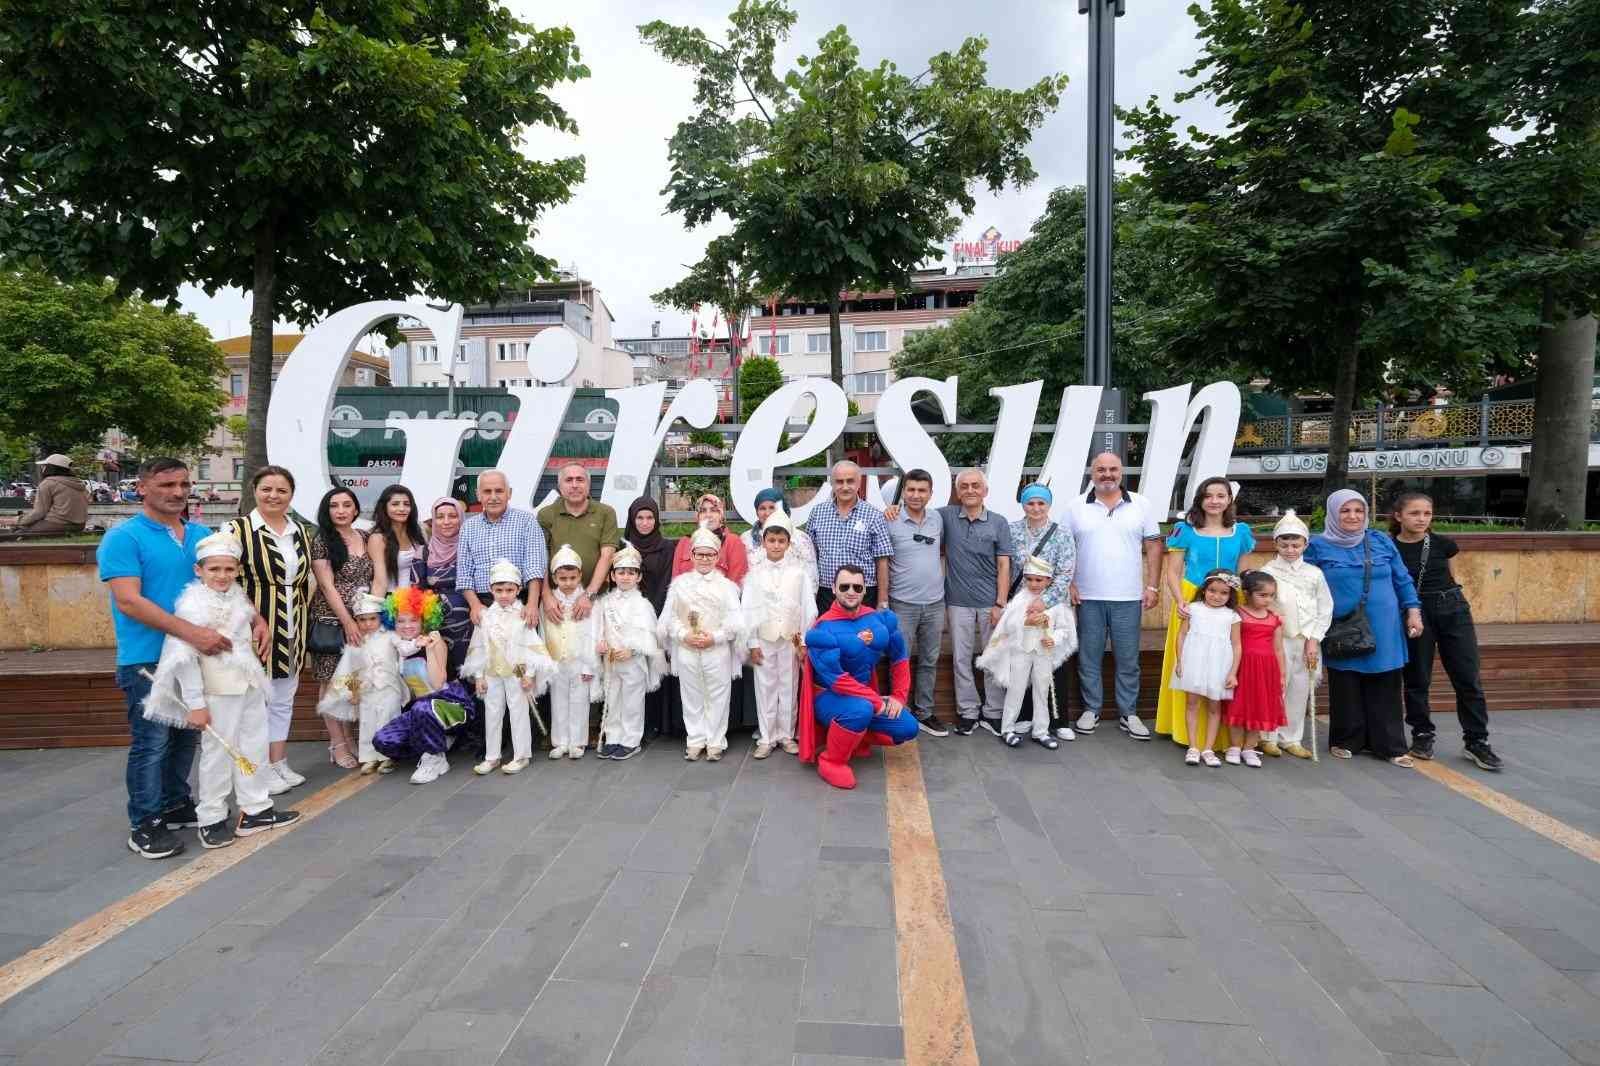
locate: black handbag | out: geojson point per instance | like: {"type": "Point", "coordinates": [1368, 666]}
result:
{"type": "Point", "coordinates": [325, 638]}
{"type": "Point", "coordinates": [1350, 635]}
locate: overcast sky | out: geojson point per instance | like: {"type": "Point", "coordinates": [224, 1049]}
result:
{"type": "Point", "coordinates": [615, 230]}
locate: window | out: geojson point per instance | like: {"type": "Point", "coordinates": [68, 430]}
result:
{"type": "Point", "coordinates": [238, 469]}
{"type": "Point", "coordinates": [872, 340]}
{"type": "Point", "coordinates": [506, 351]}
{"type": "Point", "coordinates": [765, 344]}
{"type": "Point", "coordinates": [235, 384]}
{"type": "Point", "coordinates": [817, 344]}
{"type": "Point", "coordinates": [363, 377]}
{"type": "Point", "coordinates": [427, 353]}
{"type": "Point", "coordinates": [461, 353]}
{"type": "Point", "coordinates": [872, 383]}
{"type": "Point", "coordinates": [205, 470]}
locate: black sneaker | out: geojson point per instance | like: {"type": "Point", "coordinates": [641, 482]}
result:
{"type": "Point", "coordinates": [622, 751]}
{"type": "Point", "coordinates": [1422, 746]}
{"type": "Point", "coordinates": [965, 726]}
{"type": "Point", "coordinates": [216, 835]}
{"type": "Point", "coordinates": [604, 751]}
{"type": "Point", "coordinates": [993, 726]}
{"type": "Point", "coordinates": [1481, 753]}
{"type": "Point", "coordinates": [271, 818]}
{"type": "Point", "coordinates": [151, 839]}
{"type": "Point", "coordinates": [932, 726]}
{"type": "Point", "coordinates": [184, 817]}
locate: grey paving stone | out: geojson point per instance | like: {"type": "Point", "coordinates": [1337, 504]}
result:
{"type": "Point", "coordinates": [333, 912]}
{"type": "Point", "coordinates": [497, 894]}
{"type": "Point", "coordinates": [686, 953]}
{"type": "Point", "coordinates": [434, 834]}
{"type": "Point", "coordinates": [282, 902]}
{"type": "Point", "coordinates": [436, 962]}
{"type": "Point", "coordinates": [849, 853]}
{"type": "Point", "coordinates": [621, 938]}
{"type": "Point", "coordinates": [508, 970]}
{"type": "Point", "coordinates": [1107, 1021]}
{"type": "Point", "coordinates": [1169, 979]}
{"type": "Point", "coordinates": [1317, 882]}
{"type": "Point", "coordinates": [760, 991]}
{"type": "Point", "coordinates": [769, 922]}
{"type": "Point", "coordinates": [678, 834]}
{"type": "Point", "coordinates": [368, 1038]}
{"type": "Point", "coordinates": [1123, 914]}
{"type": "Point", "coordinates": [383, 941]}
{"type": "Point", "coordinates": [1167, 855]}
{"type": "Point", "coordinates": [857, 1042]}
{"type": "Point", "coordinates": [440, 886]}
{"type": "Point", "coordinates": [1555, 948]}
{"type": "Point", "coordinates": [1479, 1027]}
{"type": "Point", "coordinates": [664, 1022]}
{"type": "Point", "coordinates": [715, 885]}
{"type": "Point", "coordinates": [446, 1036]}
{"type": "Point", "coordinates": [1381, 940]}
{"type": "Point", "coordinates": [1200, 1044]}
{"type": "Point", "coordinates": [572, 1023]}
{"type": "Point", "coordinates": [292, 1025]}
{"type": "Point", "coordinates": [1318, 827]}
{"type": "Point", "coordinates": [843, 1060]}
{"type": "Point", "coordinates": [1400, 1059]}
{"type": "Point", "coordinates": [1045, 880]}
{"type": "Point", "coordinates": [859, 825]}
{"type": "Point", "coordinates": [851, 976]}
{"type": "Point", "coordinates": [848, 893]}
{"type": "Point", "coordinates": [1380, 1014]}
{"type": "Point", "coordinates": [14, 944]}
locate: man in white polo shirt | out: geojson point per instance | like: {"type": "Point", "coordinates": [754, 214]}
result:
{"type": "Point", "coordinates": [1119, 557]}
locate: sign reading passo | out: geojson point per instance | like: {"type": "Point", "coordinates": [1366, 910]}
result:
{"type": "Point", "coordinates": [303, 399]}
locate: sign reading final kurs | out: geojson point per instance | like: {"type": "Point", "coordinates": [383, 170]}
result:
{"type": "Point", "coordinates": [302, 404]}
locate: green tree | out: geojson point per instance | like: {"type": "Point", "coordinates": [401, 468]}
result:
{"type": "Point", "coordinates": [724, 280]}
{"type": "Point", "coordinates": [313, 154]}
{"type": "Point", "coordinates": [859, 166]}
{"type": "Point", "coordinates": [1027, 324]}
{"type": "Point", "coordinates": [1324, 225]}
{"type": "Point", "coordinates": [759, 377]}
{"type": "Point", "coordinates": [77, 360]}
{"type": "Point", "coordinates": [238, 426]}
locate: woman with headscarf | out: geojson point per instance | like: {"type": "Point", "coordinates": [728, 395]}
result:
{"type": "Point", "coordinates": [800, 544]}
{"type": "Point", "coordinates": [1365, 711]}
{"type": "Point", "coordinates": [1037, 534]}
{"type": "Point", "coordinates": [663, 712]}
{"type": "Point", "coordinates": [732, 560]}
{"type": "Point", "coordinates": [435, 568]}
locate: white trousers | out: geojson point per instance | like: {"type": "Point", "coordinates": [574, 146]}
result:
{"type": "Point", "coordinates": [242, 722]}
{"type": "Point", "coordinates": [375, 714]}
{"type": "Point", "coordinates": [1028, 669]}
{"type": "Point", "coordinates": [280, 707]}
{"type": "Point", "coordinates": [504, 696]}
{"type": "Point", "coordinates": [1298, 692]}
{"type": "Point", "coordinates": [704, 683]}
{"type": "Point", "coordinates": [625, 687]}
{"type": "Point", "coordinates": [569, 710]}
{"type": "Point", "coordinates": [775, 691]}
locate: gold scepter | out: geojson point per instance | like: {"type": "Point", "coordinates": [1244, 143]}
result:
{"type": "Point", "coordinates": [520, 671]}
{"type": "Point", "coordinates": [245, 766]}
{"type": "Point", "coordinates": [699, 658]}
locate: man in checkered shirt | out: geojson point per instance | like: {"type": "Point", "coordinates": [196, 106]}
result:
{"type": "Point", "coordinates": [849, 531]}
{"type": "Point", "coordinates": [499, 532]}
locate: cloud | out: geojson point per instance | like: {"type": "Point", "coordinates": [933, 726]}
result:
{"type": "Point", "coordinates": [616, 231]}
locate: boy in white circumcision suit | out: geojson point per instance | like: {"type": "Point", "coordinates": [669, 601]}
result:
{"type": "Point", "coordinates": [1026, 650]}
{"type": "Point", "coordinates": [1305, 604]}
{"type": "Point", "coordinates": [630, 657]}
{"type": "Point", "coordinates": [571, 647]}
{"type": "Point", "coordinates": [778, 609]}
{"type": "Point", "coordinates": [224, 694]}
{"type": "Point", "coordinates": [511, 665]}
{"type": "Point", "coordinates": [701, 624]}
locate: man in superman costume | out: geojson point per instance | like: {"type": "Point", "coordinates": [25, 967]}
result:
{"type": "Point", "coordinates": [842, 715]}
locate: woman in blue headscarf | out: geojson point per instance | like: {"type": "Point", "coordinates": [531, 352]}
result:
{"type": "Point", "coordinates": [767, 501]}
{"type": "Point", "coordinates": [1036, 533]}
{"type": "Point", "coordinates": [1365, 711]}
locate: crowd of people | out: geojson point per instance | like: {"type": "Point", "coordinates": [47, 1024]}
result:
{"type": "Point", "coordinates": [435, 632]}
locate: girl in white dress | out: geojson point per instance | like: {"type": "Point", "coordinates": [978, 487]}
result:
{"type": "Point", "coordinates": [1208, 660]}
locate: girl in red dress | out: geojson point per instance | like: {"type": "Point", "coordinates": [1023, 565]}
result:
{"type": "Point", "coordinates": [1257, 682]}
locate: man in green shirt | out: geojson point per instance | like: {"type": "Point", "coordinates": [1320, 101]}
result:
{"type": "Point", "coordinates": [589, 527]}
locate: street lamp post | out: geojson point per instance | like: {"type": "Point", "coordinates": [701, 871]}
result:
{"type": "Point", "coordinates": [1097, 209]}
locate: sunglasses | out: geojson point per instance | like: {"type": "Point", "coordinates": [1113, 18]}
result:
{"type": "Point", "coordinates": [850, 586]}
{"type": "Point", "coordinates": [920, 539]}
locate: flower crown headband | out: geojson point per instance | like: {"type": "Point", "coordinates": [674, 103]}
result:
{"type": "Point", "coordinates": [1227, 577]}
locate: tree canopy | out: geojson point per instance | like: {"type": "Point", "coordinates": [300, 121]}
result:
{"type": "Point", "coordinates": [314, 154]}
{"type": "Point", "coordinates": [78, 360]}
{"type": "Point", "coordinates": [836, 175]}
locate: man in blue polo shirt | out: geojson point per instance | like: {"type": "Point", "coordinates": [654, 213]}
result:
{"type": "Point", "coordinates": [146, 561]}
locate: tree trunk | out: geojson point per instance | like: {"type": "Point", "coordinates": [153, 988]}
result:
{"type": "Point", "coordinates": [733, 364]}
{"type": "Point", "coordinates": [259, 387]}
{"type": "Point", "coordinates": [1337, 475]}
{"type": "Point", "coordinates": [1562, 411]}
{"type": "Point", "coordinates": [835, 363]}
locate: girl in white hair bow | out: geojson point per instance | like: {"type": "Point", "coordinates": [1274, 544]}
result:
{"type": "Point", "coordinates": [224, 694]}
{"type": "Point", "coordinates": [1023, 655]}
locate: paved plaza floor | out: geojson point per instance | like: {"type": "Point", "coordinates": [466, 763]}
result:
{"type": "Point", "coordinates": [1107, 904]}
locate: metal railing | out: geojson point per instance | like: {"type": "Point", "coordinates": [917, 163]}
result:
{"type": "Point", "coordinates": [1386, 426]}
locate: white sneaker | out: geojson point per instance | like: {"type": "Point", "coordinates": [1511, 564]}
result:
{"type": "Point", "coordinates": [1231, 756]}
{"type": "Point", "coordinates": [790, 746]}
{"type": "Point", "coordinates": [294, 779]}
{"type": "Point", "coordinates": [763, 749]}
{"type": "Point", "coordinates": [515, 766]}
{"type": "Point", "coordinates": [1252, 758]}
{"type": "Point", "coordinates": [276, 785]}
{"type": "Point", "coordinates": [1087, 721]}
{"type": "Point", "coordinates": [429, 769]}
{"type": "Point", "coordinates": [1134, 726]}
{"type": "Point", "coordinates": [575, 753]}
{"type": "Point", "coordinates": [1065, 733]}
{"type": "Point", "coordinates": [558, 752]}
{"type": "Point", "coordinates": [487, 766]}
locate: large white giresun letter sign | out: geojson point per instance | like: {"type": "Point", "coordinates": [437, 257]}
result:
{"type": "Point", "coordinates": [302, 402]}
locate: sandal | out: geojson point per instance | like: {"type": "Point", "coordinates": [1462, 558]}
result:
{"type": "Point", "coordinates": [1402, 760]}
{"type": "Point", "coordinates": [1191, 757]}
{"type": "Point", "coordinates": [1047, 741]}
{"type": "Point", "coordinates": [1209, 757]}
{"type": "Point", "coordinates": [1012, 740]}
{"type": "Point", "coordinates": [1340, 753]}
{"type": "Point", "coordinates": [339, 755]}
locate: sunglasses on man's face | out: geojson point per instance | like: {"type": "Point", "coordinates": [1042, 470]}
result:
{"type": "Point", "coordinates": [850, 586]}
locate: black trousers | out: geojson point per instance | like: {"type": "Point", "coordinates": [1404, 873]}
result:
{"type": "Point", "coordinates": [1364, 712]}
{"type": "Point", "coordinates": [1446, 628]}
{"type": "Point", "coordinates": [824, 599]}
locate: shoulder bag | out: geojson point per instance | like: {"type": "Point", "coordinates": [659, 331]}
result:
{"type": "Point", "coordinates": [1016, 579]}
{"type": "Point", "coordinates": [1350, 636]}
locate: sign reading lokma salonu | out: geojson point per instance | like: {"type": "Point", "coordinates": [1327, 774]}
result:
{"type": "Point", "coordinates": [303, 400]}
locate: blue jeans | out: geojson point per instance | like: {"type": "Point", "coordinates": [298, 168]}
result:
{"type": "Point", "coordinates": [1121, 618]}
{"type": "Point", "coordinates": [159, 757]}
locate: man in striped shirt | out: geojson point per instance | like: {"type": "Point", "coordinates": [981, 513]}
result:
{"type": "Point", "coordinates": [500, 531]}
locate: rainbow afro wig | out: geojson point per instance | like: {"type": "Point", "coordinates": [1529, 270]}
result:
{"type": "Point", "coordinates": [424, 603]}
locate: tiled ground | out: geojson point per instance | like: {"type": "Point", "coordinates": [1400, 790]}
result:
{"type": "Point", "coordinates": [1111, 906]}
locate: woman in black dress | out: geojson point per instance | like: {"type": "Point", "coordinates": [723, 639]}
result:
{"type": "Point", "coordinates": [663, 713]}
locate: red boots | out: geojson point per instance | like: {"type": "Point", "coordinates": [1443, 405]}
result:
{"type": "Point", "coordinates": [833, 761]}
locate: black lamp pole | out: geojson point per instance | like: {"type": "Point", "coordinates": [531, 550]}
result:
{"type": "Point", "coordinates": [1097, 242]}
